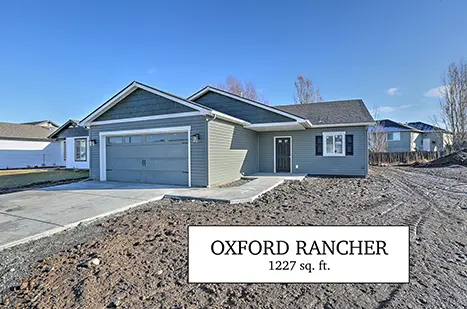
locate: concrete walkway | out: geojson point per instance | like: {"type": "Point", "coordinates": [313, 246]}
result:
{"type": "Point", "coordinates": [246, 193]}
{"type": "Point", "coordinates": [33, 214]}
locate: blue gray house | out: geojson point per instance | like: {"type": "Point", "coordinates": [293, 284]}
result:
{"type": "Point", "coordinates": [143, 134]}
{"type": "Point", "coordinates": [411, 136]}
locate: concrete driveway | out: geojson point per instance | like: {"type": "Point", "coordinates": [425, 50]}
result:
{"type": "Point", "coordinates": [37, 213]}
{"type": "Point", "coordinates": [33, 214]}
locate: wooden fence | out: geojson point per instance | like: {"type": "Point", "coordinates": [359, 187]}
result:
{"type": "Point", "coordinates": [382, 158]}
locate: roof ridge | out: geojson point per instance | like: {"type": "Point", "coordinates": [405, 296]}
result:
{"type": "Point", "coordinates": [321, 102]}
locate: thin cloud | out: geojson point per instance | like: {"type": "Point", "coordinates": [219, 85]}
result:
{"type": "Point", "coordinates": [389, 109]}
{"type": "Point", "coordinates": [435, 92]}
{"type": "Point", "coordinates": [392, 91]}
{"type": "Point", "coordinates": [151, 70]}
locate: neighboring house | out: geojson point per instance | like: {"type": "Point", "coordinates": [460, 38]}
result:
{"type": "Point", "coordinates": [48, 124]}
{"type": "Point", "coordinates": [27, 145]}
{"type": "Point", "coordinates": [143, 134]}
{"type": "Point", "coordinates": [74, 144]}
{"type": "Point", "coordinates": [412, 136]}
{"type": "Point", "coordinates": [433, 138]}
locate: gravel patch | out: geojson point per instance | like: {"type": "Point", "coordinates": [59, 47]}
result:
{"type": "Point", "coordinates": [138, 259]}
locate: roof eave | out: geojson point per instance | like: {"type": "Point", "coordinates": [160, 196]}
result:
{"type": "Point", "coordinates": [354, 124]}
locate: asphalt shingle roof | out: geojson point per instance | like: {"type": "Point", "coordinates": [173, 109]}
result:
{"type": "Point", "coordinates": [23, 131]}
{"type": "Point", "coordinates": [425, 127]}
{"type": "Point", "coordinates": [331, 112]}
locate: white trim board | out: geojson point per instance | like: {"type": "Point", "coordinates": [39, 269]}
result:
{"type": "Point", "coordinates": [145, 118]}
{"type": "Point", "coordinates": [356, 124]}
{"type": "Point", "coordinates": [291, 153]}
{"type": "Point", "coordinates": [130, 89]}
{"type": "Point", "coordinates": [168, 116]}
{"type": "Point", "coordinates": [244, 100]}
{"type": "Point", "coordinates": [103, 145]}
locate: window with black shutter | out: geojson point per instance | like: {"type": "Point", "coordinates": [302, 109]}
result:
{"type": "Point", "coordinates": [319, 145]}
{"type": "Point", "coordinates": [349, 145]}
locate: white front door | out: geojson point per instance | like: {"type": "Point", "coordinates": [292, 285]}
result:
{"type": "Point", "coordinates": [426, 144]}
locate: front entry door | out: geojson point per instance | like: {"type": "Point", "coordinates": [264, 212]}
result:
{"type": "Point", "coordinates": [426, 144]}
{"type": "Point", "coordinates": [283, 154]}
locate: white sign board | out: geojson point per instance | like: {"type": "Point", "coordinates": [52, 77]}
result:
{"type": "Point", "coordinates": [298, 254]}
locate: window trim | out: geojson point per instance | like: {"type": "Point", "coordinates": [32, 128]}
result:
{"type": "Point", "coordinates": [85, 149]}
{"type": "Point", "coordinates": [393, 140]}
{"type": "Point", "coordinates": [333, 154]}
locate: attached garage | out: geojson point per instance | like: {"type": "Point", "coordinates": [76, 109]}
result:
{"type": "Point", "coordinates": [158, 156]}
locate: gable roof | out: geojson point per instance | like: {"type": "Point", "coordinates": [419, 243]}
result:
{"type": "Point", "coordinates": [350, 112]}
{"type": "Point", "coordinates": [388, 125]}
{"type": "Point", "coordinates": [64, 126]}
{"type": "Point", "coordinates": [426, 127]}
{"type": "Point", "coordinates": [273, 109]}
{"type": "Point", "coordinates": [19, 131]}
{"type": "Point", "coordinates": [130, 89]}
{"type": "Point", "coordinates": [203, 110]}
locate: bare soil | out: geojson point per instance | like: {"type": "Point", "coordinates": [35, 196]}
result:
{"type": "Point", "coordinates": [456, 158]}
{"type": "Point", "coordinates": [143, 253]}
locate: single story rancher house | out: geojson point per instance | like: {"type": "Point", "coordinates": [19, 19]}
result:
{"type": "Point", "coordinates": [27, 145]}
{"type": "Point", "coordinates": [74, 144]}
{"type": "Point", "coordinates": [411, 136]}
{"type": "Point", "coordinates": [143, 134]}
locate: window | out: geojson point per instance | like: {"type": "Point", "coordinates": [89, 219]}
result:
{"type": "Point", "coordinates": [80, 149]}
{"type": "Point", "coordinates": [172, 137]}
{"type": "Point", "coordinates": [115, 140]}
{"type": "Point", "coordinates": [64, 150]}
{"type": "Point", "coordinates": [134, 139]}
{"type": "Point", "coordinates": [394, 136]}
{"type": "Point", "coordinates": [334, 143]}
{"type": "Point", "coordinates": [155, 138]}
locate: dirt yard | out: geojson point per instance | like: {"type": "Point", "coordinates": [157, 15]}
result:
{"type": "Point", "coordinates": [143, 262]}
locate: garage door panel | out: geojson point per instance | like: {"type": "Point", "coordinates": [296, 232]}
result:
{"type": "Point", "coordinates": [161, 162]}
{"type": "Point", "coordinates": [177, 150]}
{"type": "Point", "coordinates": [125, 175]}
{"type": "Point", "coordinates": [158, 150]}
{"type": "Point", "coordinates": [172, 164]}
{"type": "Point", "coordinates": [167, 177]}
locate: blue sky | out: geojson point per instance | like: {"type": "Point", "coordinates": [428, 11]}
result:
{"type": "Point", "coordinates": [61, 59]}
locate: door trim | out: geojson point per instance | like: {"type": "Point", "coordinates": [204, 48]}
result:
{"type": "Point", "coordinates": [103, 145]}
{"type": "Point", "coordinates": [291, 154]}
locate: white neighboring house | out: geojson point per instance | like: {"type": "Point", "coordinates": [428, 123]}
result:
{"type": "Point", "coordinates": [27, 145]}
{"type": "Point", "coordinates": [74, 144]}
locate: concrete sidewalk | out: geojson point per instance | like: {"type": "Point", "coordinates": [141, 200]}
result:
{"type": "Point", "coordinates": [33, 214]}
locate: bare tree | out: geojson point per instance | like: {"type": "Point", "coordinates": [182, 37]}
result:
{"type": "Point", "coordinates": [305, 91]}
{"type": "Point", "coordinates": [246, 90]}
{"type": "Point", "coordinates": [453, 103]}
{"type": "Point", "coordinates": [377, 138]}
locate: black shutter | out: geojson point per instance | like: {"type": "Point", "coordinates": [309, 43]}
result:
{"type": "Point", "coordinates": [319, 145]}
{"type": "Point", "coordinates": [349, 145]}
